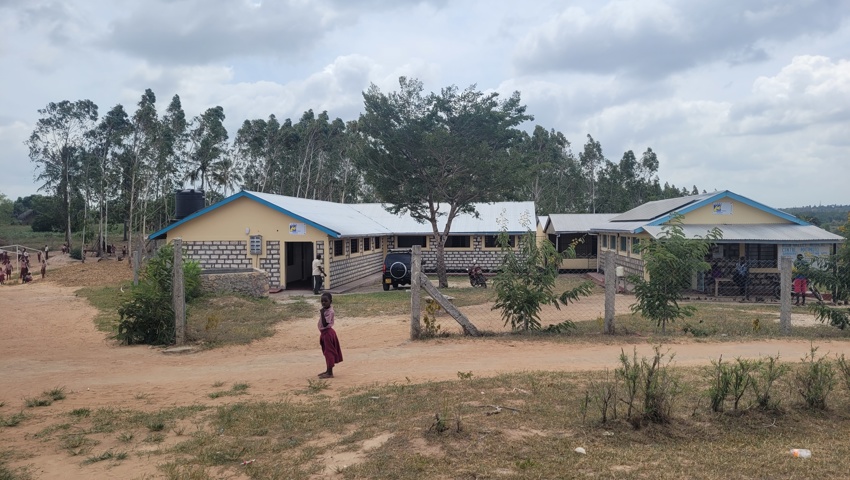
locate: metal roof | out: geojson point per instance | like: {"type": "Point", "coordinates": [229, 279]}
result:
{"type": "Point", "coordinates": [759, 233]}
{"type": "Point", "coordinates": [352, 220]}
{"type": "Point", "coordinates": [630, 227]}
{"type": "Point", "coordinates": [651, 210]}
{"type": "Point", "coordinates": [576, 222]}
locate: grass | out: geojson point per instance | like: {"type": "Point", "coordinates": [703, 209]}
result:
{"type": "Point", "coordinates": [536, 439]}
{"type": "Point", "coordinates": [106, 300]}
{"type": "Point", "coordinates": [236, 389]}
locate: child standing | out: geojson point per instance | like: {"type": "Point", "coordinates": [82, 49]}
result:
{"type": "Point", "coordinates": [327, 337]}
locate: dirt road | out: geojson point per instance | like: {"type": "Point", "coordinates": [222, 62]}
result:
{"type": "Point", "coordinates": [48, 340]}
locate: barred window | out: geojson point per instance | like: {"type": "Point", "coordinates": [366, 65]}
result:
{"type": "Point", "coordinates": [339, 249]}
{"type": "Point", "coordinates": [457, 241]}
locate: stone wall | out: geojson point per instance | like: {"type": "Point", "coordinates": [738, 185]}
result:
{"type": "Point", "coordinates": [345, 269]}
{"type": "Point", "coordinates": [254, 283]}
{"type": "Point", "coordinates": [271, 262]}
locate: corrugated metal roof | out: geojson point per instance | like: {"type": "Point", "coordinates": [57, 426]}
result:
{"type": "Point", "coordinates": [759, 233]}
{"type": "Point", "coordinates": [577, 222]}
{"type": "Point", "coordinates": [631, 227]}
{"type": "Point", "coordinates": [362, 219]}
{"type": "Point", "coordinates": [651, 210]}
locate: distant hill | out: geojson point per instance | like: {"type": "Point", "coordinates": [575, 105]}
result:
{"type": "Point", "coordinates": [828, 217]}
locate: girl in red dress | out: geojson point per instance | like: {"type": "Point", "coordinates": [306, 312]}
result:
{"type": "Point", "coordinates": [327, 337]}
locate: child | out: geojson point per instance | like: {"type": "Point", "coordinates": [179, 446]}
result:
{"type": "Point", "coordinates": [327, 337]}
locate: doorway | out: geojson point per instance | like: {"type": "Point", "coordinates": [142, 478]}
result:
{"type": "Point", "coordinates": [298, 260]}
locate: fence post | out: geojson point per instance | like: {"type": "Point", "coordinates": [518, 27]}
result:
{"type": "Point", "coordinates": [611, 281]}
{"type": "Point", "coordinates": [415, 292]}
{"type": "Point", "coordinates": [785, 266]}
{"type": "Point", "coordinates": [178, 293]}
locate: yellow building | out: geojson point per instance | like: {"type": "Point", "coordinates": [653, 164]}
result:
{"type": "Point", "coordinates": [754, 231]}
{"type": "Point", "coordinates": [282, 235]}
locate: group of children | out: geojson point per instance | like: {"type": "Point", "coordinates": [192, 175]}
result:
{"type": "Point", "coordinates": [25, 274]}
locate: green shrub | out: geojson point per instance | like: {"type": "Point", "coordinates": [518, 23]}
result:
{"type": "Point", "coordinates": [815, 379]}
{"type": "Point", "coordinates": [148, 316]}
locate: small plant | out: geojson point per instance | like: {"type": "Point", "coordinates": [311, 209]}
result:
{"type": "Point", "coordinates": [12, 421]}
{"type": "Point", "coordinates": [107, 455]}
{"type": "Point", "coordinates": [157, 437]}
{"type": "Point", "coordinates": [815, 379]}
{"type": "Point", "coordinates": [218, 384]}
{"type": "Point", "coordinates": [80, 412]}
{"type": "Point", "coordinates": [844, 369]}
{"type": "Point", "coordinates": [464, 375]}
{"type": "Point", "coordinates": [604, 394]}
{"type": "Point", "coordinates": [431, 326]}
{"type": "Point", "coordinates": [650, 387]}
{"type": "Point", "coordinates": [720, 382]}
{"type": "Point", "coordinates": [156, 425]}
{"type": "Point", "coordinates": [125, 437]}
{"type": "Point", "coordinates": [236, 389]}
{"type": "Point", "coordinates": [768, 372]}
{"type": "Point", "coordinates": [317, 385]}
{"type": "Point", "coordinates": [55, 394]}
{"type": "Point", "coordinates": [37, 402]}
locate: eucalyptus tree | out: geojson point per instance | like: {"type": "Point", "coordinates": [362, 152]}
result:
{"type": "Point", "coordinates": [552, 174]}
{"type": "Point", "coordinates": [592, 160]}
{"type": "Point", "coordinates": [108, 140]}
{"type": "Point", "coordinates": [137, 164]}
{"type": "Point", "coordinates": [169, 159]}
{"type": "Point", "coordinates": [208, 139]}
{"type": "Point", "coordinates": [433, 156]}
{"type": "Point", "coordinates": [55, 145]}
{"type": "Point", "coordinates": [260, 143]}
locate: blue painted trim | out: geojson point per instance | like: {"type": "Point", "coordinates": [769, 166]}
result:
{"type": "Point", "coordinates": [726, 194]}
{"type": "Point", "coordinates": [162, 233]}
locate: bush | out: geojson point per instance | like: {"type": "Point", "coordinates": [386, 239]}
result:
{"type": "Point", "coordinates": [76, 253]}
{"type": "Point", "coordinates": [815, 380]}
{"type": "Point", "coordinates": [148, 316]}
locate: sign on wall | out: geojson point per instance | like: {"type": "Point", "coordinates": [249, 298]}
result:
{"type": "Point", "coordinates": [721, 208]}
{"type": "Point", "coordinates": [297, 229]}
{"type": "Point", "coordinates": [809, 250]}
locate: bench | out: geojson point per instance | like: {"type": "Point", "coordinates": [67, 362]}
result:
{"type": "Point", "coordinates": [717, 282]}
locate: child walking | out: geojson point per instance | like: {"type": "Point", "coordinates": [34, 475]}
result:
{"type": "Point", "coordinates": [327, 338]}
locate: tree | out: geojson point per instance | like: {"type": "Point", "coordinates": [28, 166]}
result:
{"type": "Point", "coordinates": [55, 146]}
{"type": "Point", "coordinates": [526, 282]}
{"type": "Point", "coordinates": [670, 262]}
{"type": "Point", "coordinates": [208, 144]}
{"type": "Point", "coordinates": [434, 155]}
{"type": "Point", "coordinates": [591, 160]}
{"type": "Point", "coordinates": [833, 274]}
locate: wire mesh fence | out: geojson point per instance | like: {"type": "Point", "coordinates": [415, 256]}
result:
{"type": "Point", "coordinates": [725, 282]}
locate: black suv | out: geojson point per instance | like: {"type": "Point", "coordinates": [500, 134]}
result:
{"type": "Point", "coordinates": [396, 269]}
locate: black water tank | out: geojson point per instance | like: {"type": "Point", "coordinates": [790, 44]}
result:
{"type": "Point", "coordinates": [187, 202]}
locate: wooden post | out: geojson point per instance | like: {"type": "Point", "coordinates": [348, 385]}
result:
{"type": "Point", "coordinates": [611, 282]}
{"type": "Point", "coordinates": [785, 266]}
{"type": "Point", "coordinates": [135, 268]}
{"type": "Point", "coordinates": [415, 292]}
{"type": "Point", "coordinates": [468, 327]}
{"type": "Point", "coordinates": [178, 294]}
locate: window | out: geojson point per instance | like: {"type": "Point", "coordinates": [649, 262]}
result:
{"type": "Point", "coordinates": [407, 241]}
{"type": "Point", "coordinates": [355, 243]}
{"type": "Point", "coordinates": [761, 255]}
{"type": "Point", "coordinates": [604, 241]}
{"type": "Point", "coordinates": [624, 244]}
{"type": "Point", "coordinates": [635, 245]}
{"type": "Point", "coordinates": [612, 241]}
{"type": "Point", "coordinates": [492, 241]}
{"type": "Point", "coordinates": [367, 244]}
{"type": "Point", "coordinates": [457, 241]}
{"type": "Point", "coordinates": [377, 243]}
{"type": "Point", "coordinates": [338, 248]}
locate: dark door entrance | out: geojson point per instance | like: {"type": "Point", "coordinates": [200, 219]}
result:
{"type": "Point", "coordinates": [298, 270]}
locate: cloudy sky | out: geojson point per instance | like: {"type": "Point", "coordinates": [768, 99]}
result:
{"type": "Point", "coordinates": [751, 96]}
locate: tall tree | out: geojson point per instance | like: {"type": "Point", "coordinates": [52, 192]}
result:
{"type": "Point", "coordinates": [54, 146]}
{"type": "Point", "coordinates": [591, 160]}
{"type": "Point", "coordinates": [434, 155]}
{"type": "Point", "coordinates": [208, 137]}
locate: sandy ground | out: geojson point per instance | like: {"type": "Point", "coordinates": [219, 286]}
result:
{"type": "Point", "coordinates": [48, 340]}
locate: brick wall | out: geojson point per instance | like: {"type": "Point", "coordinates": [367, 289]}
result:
{"type": "Point", "coordinates": [219, 254]}
{"type": "Point", "coordinates": [345, 269]}
{"type": "Point", "coordinates": [271, 262]}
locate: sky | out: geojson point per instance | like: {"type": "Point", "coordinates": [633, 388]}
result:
{"type": "Point", "coordinates": [751, 96]}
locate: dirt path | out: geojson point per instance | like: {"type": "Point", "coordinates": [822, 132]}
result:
{"type": "Point", "coordinates": [49, 341]}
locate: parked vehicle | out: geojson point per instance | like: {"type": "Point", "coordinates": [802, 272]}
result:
{"type": "Point", "coordinates": [476, 276]}
{"type": "Point", "coordinates": [396, 269]}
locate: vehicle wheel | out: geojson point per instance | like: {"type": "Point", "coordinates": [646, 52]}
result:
{"type": "Point", "coordinates": [386, 287]}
